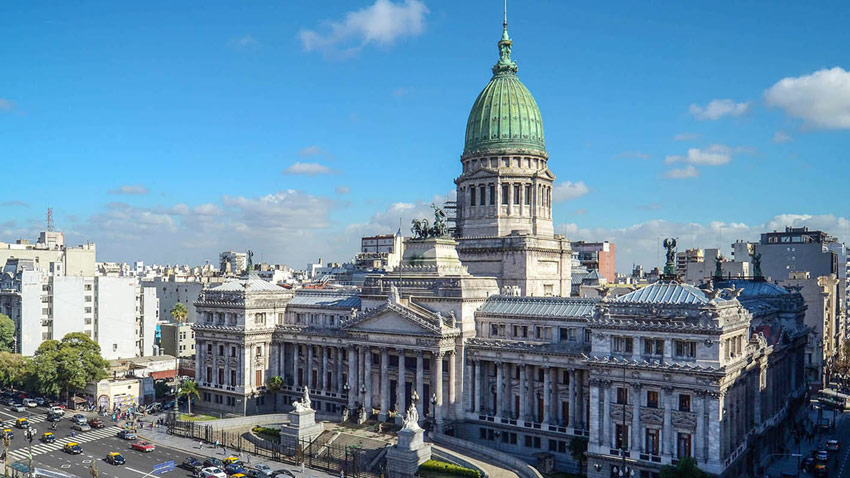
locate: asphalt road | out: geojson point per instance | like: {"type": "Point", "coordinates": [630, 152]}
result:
{"type": "Point", "coordinates": [96, 444]}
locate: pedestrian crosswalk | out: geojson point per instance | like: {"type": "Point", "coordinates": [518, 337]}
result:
{"type": "Point", "coordinates": [35, 418]}
{"type": "Point", "coordinates": [82, 437]}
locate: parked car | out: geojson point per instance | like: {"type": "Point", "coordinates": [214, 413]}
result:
{"type": "Point", "coordinates": [213, 472]}
{"type": "Point", "coordinates": [279, 473]}
{"type": "Point", "coordinates": [82, 427]}
{"type": "Point", "coordinates": [18, 408]}
{"type": "Point", "coordinates": [254, 473]}
{"type": "Point", "coordinates": [9, 402]}
{"type": "Point", "coordinates": [213, 462]}
{"type": "Point", "coordinates": [232, 459]}
{"type": "Point", "coordinates": [97, 423]}
{"type": "Point", "coordinates": [115, 458]}
{"type": "Point", "coordinates": [48, 437]}
{"type": "Point", "coordinates": [29, 403]}
{"type": "Point", "coordinates": [73, 448]}
{"type": "Point", "coordinates": [192, 464]}
{"type": "Point", "coordinates": [264, 469]}
{"type": "Point", "coordinates": [234, 468]}
{"type": "Point", "coordinates": [127, 435]}
{"type": "Point", "coordinates": [39, 401]}
{"type": "Point", "coordinates": [143, 446]}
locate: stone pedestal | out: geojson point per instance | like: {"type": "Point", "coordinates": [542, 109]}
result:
{"type": "Point", "coordinates": [302, 428]}
{"type": "Point", "coordinates": [403, 459]}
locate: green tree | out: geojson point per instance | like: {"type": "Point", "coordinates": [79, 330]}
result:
{"type": "Point", "coordinates": [79, 362]}
{"type": "Point", "coordinates": [686, 468]}
{"type": "Point", "coordinates": [179, 313]}
{"type": "Point", "coordinates": [43, 368]}
{"type": "Point", "coordinates": [13, 369]}
{"type": "Point", "coordinates": [7, 333]}
{"type": "Point", "coordinates": [275, 385]}
{"type": "Point", "coordinates": [578, 447]}
{"type": "Point", "coordinates": [188, 389]}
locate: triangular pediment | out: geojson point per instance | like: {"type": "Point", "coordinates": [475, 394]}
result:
{"type": "Point", "coordinates": [394, 319]}
{"type": "Point", "coordinates": [482, 173]}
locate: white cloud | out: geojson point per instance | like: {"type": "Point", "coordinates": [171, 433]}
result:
{"type": "Point", "coordinates": [312, 151]}
{"type": "Point", "coordinates": [130, 190]}
{"type": "Point", "coordinates": [342, 190]}
{"type": "Point", "coordinates": [686, 137]}
{"type": "Point", "coordinates": [14, 203]}
{"type": "Point", "coordinates": [714, 155]}
{"type": "Point", "coordinates": [382, 23]}
{"type": "Point", "coordinates": [781, 137]}
{"type": "Point", "coordinates": [308, 169]}
{"type": "Point", "coordinates": [641, 243]}
{"type": "Point", "coordinates": [632, 155]}
{"type": "Point", "coordinates": [821, 99]}
{"type": "Point", "coordinates": [246, 41]}
{"type": "Point", "coordinates": [682, 173]}
{"type": "Point", "coordinates": [717, 109]}
{"type": "Point", "coordinates": [568, 190]}
{"type": "Point", "coordinates": [6, 105]}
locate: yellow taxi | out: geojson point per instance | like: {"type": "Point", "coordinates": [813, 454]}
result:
{"type": "Point", "coordinates": [238, 475]}
{"type": "Point", "coordinates": [48, 437]}
{"type": "Point", "coordinates": [231, 459]}
{"type": "Point", "coordinates": [73, 448]}
{"type": "Point", "coordinates": [22, 423]}
{"type": "Point", "coordinates": [7, 433]}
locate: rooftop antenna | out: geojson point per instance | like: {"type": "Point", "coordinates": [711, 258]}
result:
{"type": "Point", "coordinates": [50, 219]}
{"type": "Point", "coordinates": [506, 15]}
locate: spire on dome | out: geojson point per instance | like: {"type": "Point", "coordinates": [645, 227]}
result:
{"type": "Point", "coordinates": [505, 64]}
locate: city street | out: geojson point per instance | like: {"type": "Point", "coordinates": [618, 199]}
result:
{"type": "Point", "coordinates": [96, 444]}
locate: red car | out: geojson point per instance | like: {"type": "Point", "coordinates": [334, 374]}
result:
{"type": "Point", "coordinates": [96, 423]}
{"type": "Point", "coordinates": [143, 446]}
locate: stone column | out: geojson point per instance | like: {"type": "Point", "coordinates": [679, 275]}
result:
{"type": "Point", "coordinates": [467, 391]}
{"type": "Point", "coordinates": [500, 378]}
{"type": "Point", "coordinates": [571, 420]}
{"type": "Point", "coordinates": [635, 399]}
{"type": "Point", "coordinates": [547, 393]}
{"type": "Point", "coordinates": [340, 385]}
{"type": "Point", "coordinates": [605, 389]}
{"type": "Point", "coordinates": [400, 405]}
{"type": "Point", "coordinates": [523, 393]}
{"type": "Point", "coordinates": [476, 393]}
{"type": "Point", "coordinates": [385, 385]}
{"type": "Point", "coordinates": [308, 368]}
{"type": "Point", "coordinates": [367, 380]}
{"type": "Point", "coordinates": [352, 377]}
{"type": "Point", "coordinates": [420, 382]}
{"type": "Point", "coordinates": [667, 433]}
{"type": "Point", "coordinates": [453, 357]}
{"type": "Point", "coordinates": [295, 382]}
{"type": "Point", "coordinates": [699, 406]}
{"type": "Point", "coordinates": [323, 379]}
{"type": "Point", "coordinates": [438, 386]}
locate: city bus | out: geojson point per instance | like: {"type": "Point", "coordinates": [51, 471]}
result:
{"type": "Point", "coordinates": [830, 398]}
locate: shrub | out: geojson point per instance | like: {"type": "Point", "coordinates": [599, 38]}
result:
{"type": "Point", "coordinates": [275, 432]}
{"type": "Point", "coordinates": [449, 469]}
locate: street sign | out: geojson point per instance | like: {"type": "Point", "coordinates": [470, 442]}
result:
{"type": "Point", "coordinates": [163, 467]}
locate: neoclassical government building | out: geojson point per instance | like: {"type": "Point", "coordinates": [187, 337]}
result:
{"type": "Point", "coordinates": [482, 326]}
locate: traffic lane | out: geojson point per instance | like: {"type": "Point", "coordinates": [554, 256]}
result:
{"type": "Point", "coordinates": [136, 462]}
{"type": "Point", "coordinates": [842, 462]}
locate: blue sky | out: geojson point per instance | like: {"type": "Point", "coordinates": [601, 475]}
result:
{"type": "Point", "coordinates": [168, 132]}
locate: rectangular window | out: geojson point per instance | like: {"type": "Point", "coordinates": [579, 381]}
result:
{"type": "Point", "coordinates": [652, 399]}
{"type": "Point", "coordinates": [588, 335]}
{"type": "Point", "coordinates": [472, 195]}
{"type": "Point", "coordinates": [684, 403]}
{"type": "Point", "coordinates": [233, 378]}
{"type": "Point", "coordinates": [231, 401]}
{"type": "Point", "coordinates": [622, 396]}
{"type": "Point", "coordinates": [516, 194]}
{"type": "Point", "coordinates": [221, 350]}
{"type": "Point", "coordinates": [209, 374]}
{"type": "Point", "coordinates": [683, 445]}
{"type": "Point", "coordinates": [482, 199]}
{"type": "Point", "coordinates": [494, 330]}
{"type": "Point", "coordinates": [505, 194]}
{"type": "Point", "coordinates": [221, 375]}
{"type": "Point", "coordinates": [622, 438]}
{"type": "Point", "coordinates": [564, 334]}
{"type": "Point", "coordinates": [209, 348]}
{"type": "Point", "coordinates": [685, 349]}
{"type": "Point", "coordinates": [653, 347]}
{"type": "Point", "coordinates": [492, 194]}
{"type": "Point", "coordinates": [623, 345]}
{"type": "Point", "coordinates": [232, 351]}
{"type": "Point", "coordinates": [652, 442]}
{"type": "Point", "coordinates": [528, 195]}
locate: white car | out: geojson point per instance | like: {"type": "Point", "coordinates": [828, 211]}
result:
{"type": "Point", "coordinates": [28, 402]}
{"type": "Point", "coordinates": [213, 472]}
{"type": "Point", "coordinates": [18, 408]}
{"type": "Point", "coordinates": [78, 418]}
{"type": "Point", "coordinates": [83, 427]}
{"type": "Point", "coordinates": [56, 411]}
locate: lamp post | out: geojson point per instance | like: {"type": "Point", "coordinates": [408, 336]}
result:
{"type": "Point", "coordinates": [433, 411]}
{"type": "Point", "coordinates": [29, 436]}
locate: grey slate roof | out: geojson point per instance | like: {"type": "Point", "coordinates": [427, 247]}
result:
{"type": "Point", "coordinates": [753, 288]}
{"type": "Point", "coordinates": [670, 292]}
{"type": "Point", "coordinates": [332, 299]}
{"type": "Point", "coordinates": [539, 306]}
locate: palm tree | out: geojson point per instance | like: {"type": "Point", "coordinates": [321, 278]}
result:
{"type": "Point", "coordinates": [188, 389]}
{"type": "Point", "coordinates": [179, 313]}
{"type": "Point", "coordinates": [275, 384]}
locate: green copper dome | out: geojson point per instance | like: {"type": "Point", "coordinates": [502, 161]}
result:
{"type": "Point", "coordinates": [505, 115]}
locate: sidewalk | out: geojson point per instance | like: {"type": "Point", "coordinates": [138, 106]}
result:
{"type": "Point", "coordinates": [788, 463]}
{"type": "Point", "coordinates": [190, 446]}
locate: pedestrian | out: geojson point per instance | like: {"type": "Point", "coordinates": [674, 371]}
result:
{"type": "Point", "coordinates": [200, 444]}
